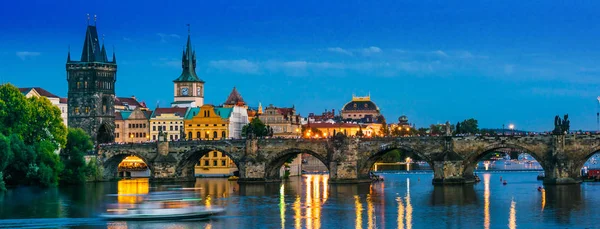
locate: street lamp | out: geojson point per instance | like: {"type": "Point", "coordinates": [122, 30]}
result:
{"type": "Point", "coordinates": [131, 136]}
{"type": "Point", "coordinates": [511, 127]}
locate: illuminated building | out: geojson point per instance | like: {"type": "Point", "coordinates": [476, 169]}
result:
{"type": "Point", "coordinates": [361, 109]}
{"type": "Point", "coordinates": [211, 123]}
{"type": "Point", "coordinates": [331, 129]}
{"type": "Point", "coordinates": [169, 121]}
{"type": "Point", "coordinates": [239, 114]}
{"type": "Point", "coordinates": [284, 121]}
{"type": "Point", "coordinates": [132, 126]}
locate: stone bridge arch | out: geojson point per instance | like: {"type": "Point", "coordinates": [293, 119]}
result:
{"type": "Point", "coordinates": [366, 165]}
{"type": "Point", "coordinates": [471, 159]}
{"type": "Point", "coordinates": [277, 160]}
{"type": "Point", "coordinates": [185, 168]}
{"type": "Point", "coordinates": [580, 160]}
{"type": "Point", "coordinates": [111, 160]}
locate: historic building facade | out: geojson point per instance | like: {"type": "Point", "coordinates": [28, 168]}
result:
{"type": "Point", "coordinates": [188, 87]}
{"type": "Point", "coordinates": [207, 123]}
{"type": "Point", "coordinates": [132, 126]}
{"type": "Point", "coordinates": [331, 129]}
{"type": "Point", "coordinates": [168, 121]}
{"type": "Point", "coordinates": [239, 114]}
{"type": "Point", "coordinates": [361, 109]}
{"type": "Point", "coordinates": [91, 89]}
{"type": "Point", "coordinates": [284, 121]}
{"type": "Point", "coordinates": [61, 103]}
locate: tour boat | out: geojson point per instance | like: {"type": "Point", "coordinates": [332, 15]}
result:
{"type": "Point", "coordinates": [161, 206]}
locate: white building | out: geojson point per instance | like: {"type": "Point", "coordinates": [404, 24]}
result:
{"type": "Point", "coordinates": [59, 102]}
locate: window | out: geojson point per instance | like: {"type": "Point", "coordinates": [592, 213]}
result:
{"type": "Point", "coordinates": [137, 135]}
{"type": "Point", "coordinates": [223, 163]}
{"type": "Point", "coordinates": [176, 127]}
{"type": "Point", "coordinates": [85, 84]}
{"type": "Point", "coordinates": [215, 125]}
{"type": "Point", "coordinates": [153, 128]}
{"type": "Point", "coordinates": [206, 135]}
{"type": "Point", "coordinates": [214, 153]}
{"type": "Point", "coordinates": [214, 134]}
{"type": "Point", "coordinates": [171, 137]}
{"type": "Point", "coordinates": [171, 128]}
{"type": "Point", "coordinates": [176, 136]}
{"type": "Point", "coordinates": [78, 85]}
{"type": "Point", "coordinates": [223, 134]}
{"type": "Point", "coordinates": [144, 125]}
{"type": "Point", "coordinates": [190, 136]}
{"type": "Point", "coordinates": [117, 125]}
{"type": "Point", "coordinates": [197, 134]}
{"type": "Point", "coordinates": [154, 137]}
{"type": "Point", "coordinates": [87, 109]}
{"type": "Point", "coordinates": [117, 135]}
{"type": "Point", "coordinates": [76, 110]}
{"type": "Point", "coordinates": [206, 163]}
{"type": "Point", "coordinates": [164, 128]}
{"type": "Point", "coordinates": [129, 125]}
{"type": "Point", "coordinates": [214, 162]}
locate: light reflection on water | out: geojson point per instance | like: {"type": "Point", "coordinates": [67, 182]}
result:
{"type": "Point", "coordinates": [402, 201]}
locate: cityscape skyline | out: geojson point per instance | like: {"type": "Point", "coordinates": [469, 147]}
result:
{"type": "Point", "coordinates": [429, 81]}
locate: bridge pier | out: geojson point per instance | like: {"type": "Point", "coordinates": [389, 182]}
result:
{"type": "Point", "coordinates": [562, 172]}
{"type": "Point", "coordinates": [451, 173]}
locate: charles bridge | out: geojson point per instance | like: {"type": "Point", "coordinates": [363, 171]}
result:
{"type": "Point", "coordinates": [349, 160]}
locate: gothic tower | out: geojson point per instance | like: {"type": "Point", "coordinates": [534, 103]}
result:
{"type": "Point", "coordinates": [92, 89]}
{"type": "Point", "coordinates": [189, 88]}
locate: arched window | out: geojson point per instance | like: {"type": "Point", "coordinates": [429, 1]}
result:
{"type": "Point", "coordinates": [215, 134]}
{"type": "Point", "coordinates": [198, 135]}
{"type": "Point", "coordinates": [190, 136]}
{"type": "Point", "coordinates": [223, 135]}
{"type": "Point", "coordinates": [206, 135]}
{"type": "Point", "coordinates": [104, 105]}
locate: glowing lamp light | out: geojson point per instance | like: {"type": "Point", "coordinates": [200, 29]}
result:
{"type": "Point", "coordinates": [511, 126]}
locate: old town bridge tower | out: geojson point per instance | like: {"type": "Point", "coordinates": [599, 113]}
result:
{"type": "Point", "coordinates": [92, 89]}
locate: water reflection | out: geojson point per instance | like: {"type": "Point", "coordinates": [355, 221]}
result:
{"type": "Point", "coordinates": [563, 201]}
{"type": "Point", "coordinates": [512, 219]}
{"type": "Point", "coordinates": [453, 195]}
{"type": "Point", "coordinates": [486, 201]}
{"type": "Point", "coordinates": [129, 190]}
{"type": "Point", "coordinates": [358, 208]}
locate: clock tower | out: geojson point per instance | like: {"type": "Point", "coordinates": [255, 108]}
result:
{"type": "Point", "coordinates": [188, 87]}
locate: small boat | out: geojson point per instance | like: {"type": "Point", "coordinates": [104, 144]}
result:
{"type": "Point", "coordinates": [161, 206]}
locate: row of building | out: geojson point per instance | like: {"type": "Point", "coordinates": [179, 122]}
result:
{"type": "Point", "coordinates": [92, 105]}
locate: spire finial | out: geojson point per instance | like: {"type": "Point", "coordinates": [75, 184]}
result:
{"type": "Point", "coordinates": [88, 19]}
{"type": "Point", "coordinates": [95, 19]}
{"type": "Point", "coordinates": [188, 25]}
{"type": "Point", "coordinates": [102, 39]}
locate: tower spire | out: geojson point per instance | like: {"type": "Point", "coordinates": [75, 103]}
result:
{"type": "Point", "coordinates": [114, 60]}
{"type": "Point", "coordinates": [69, 54]}
{"type": "Point", "coordinates": [88, 19]}
{"type": "Point", "coordinates": [95, 18]}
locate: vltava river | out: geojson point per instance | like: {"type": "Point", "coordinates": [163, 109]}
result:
{"type": "Point", "coordinates": [402, 201]}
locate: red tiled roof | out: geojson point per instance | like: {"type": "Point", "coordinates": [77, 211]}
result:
{"type": "Point", "coordinates": [64, 100]}
{"type": "Point", "coordinates": [285, 111]}
{"type": "Point", "coordinates": [39, 90]}
{"type": "Point", "coordinates": [179, 111]}
{"type": "Point", "coordinates": [332, 125]}
{"type": "Point", "coordinates": [131, 101]}
{"type": "Point", "coordinates": [234, 98]}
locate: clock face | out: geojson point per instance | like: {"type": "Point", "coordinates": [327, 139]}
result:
{"type": "Point", "coordinates": [198, 91]}
{"type": "Point", "coordinates": [184, 91]}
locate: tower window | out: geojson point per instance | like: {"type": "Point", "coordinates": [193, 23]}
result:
{"type": "Point", "coordinates": [78, 85]}
{"type": "Point", "coordinates": [85, 84]}
{"type": "Point", "coordinates": [76, 110]}
{"type": "Point", "coordinates": [87, 109]}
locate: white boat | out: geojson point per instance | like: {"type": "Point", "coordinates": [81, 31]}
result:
{"type": "Point", "coordinates": [161, 206]}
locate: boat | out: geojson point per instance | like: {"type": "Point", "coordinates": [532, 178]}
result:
{"type": "Point", "coordinates": [161, 206]}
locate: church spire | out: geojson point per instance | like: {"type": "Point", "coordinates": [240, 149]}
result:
{"type": "Point", "coordinates": [188, 62]}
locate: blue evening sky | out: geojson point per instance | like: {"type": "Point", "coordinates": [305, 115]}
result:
{"type": "Point", "coordinates": [500, 62]}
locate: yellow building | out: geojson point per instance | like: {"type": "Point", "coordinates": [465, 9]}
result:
{"type": "Point", "coordinates": [331, 129]}
{"type": "Point", "coordinates": [132, 126]}
{"type": "Point", "coordinates": [168, 121]}
{"type": "Point", "coordinates": [361, 109]}
{"type": "Point", "coordinates": [210, 123]}
{"type": "Point", "coordinates": [207, 123]}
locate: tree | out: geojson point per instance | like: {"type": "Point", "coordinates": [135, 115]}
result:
{"type": "Point", "coordinates": [256, 127]}
{"type": "Point", "coordinates": [5, 158]}
{"type": "Point", "coordinates": [78, 143]}
{"type": "Point", "coordinates": [458, 127]}
{"type": "Point", "coordinates": [385, 129]}
{"type": "Point", "coordinates": [469, 126]}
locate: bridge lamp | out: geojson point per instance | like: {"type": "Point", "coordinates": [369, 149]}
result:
{"type": "Point", "coordinates": [511, 127]}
